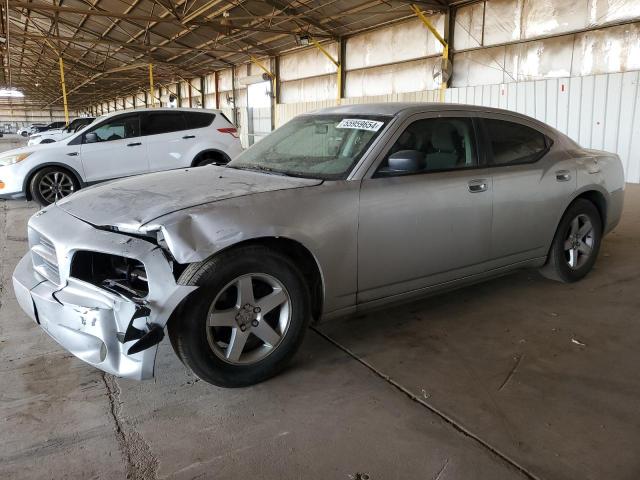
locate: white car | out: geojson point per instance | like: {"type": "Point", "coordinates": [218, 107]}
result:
{"type": "Point", "coordinates": [57, 134]}
{"type": "Point", "coordinates": [26, 131]}
{"type": "Point", "coordinates": [118, 145]}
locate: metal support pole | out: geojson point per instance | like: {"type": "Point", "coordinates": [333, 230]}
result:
{"type": "Point", "coordinates": [153, 93]}
{"type": "Point", "coordinates": [445, 46]}
{"type": "Point", "coordinates": [215, 78]}
{"type": "Point", "coordinates": [336, 63]}
{"type": "Point", "coordinates": [64, 90]}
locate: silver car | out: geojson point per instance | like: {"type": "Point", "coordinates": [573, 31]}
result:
{"type": "Point", "coordinates": [336, 212]}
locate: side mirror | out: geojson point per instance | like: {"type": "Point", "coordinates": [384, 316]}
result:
{"type": "Point", "coordinates": [90, 137]}
{"type": "Point", "coordinates": [407, 161]}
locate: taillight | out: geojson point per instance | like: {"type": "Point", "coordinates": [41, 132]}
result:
{"type": "Point", "coordinates": [230, 130]}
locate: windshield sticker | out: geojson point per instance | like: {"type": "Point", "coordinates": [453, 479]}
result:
{"type": "Point", "coordinates": [359, 124]}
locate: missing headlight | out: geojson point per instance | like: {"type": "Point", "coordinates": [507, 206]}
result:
{"type": "Point", "coordinates": [123, 275]}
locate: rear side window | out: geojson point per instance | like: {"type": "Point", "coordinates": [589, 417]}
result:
{"type": "Point", "coordinates": [199, 119]}
{"type": "Point", "coordinates": [163, 122]}
{"type": "Point", "coordinates": [511, 143]}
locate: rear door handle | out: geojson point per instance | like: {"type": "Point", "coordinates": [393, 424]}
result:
{"type": "Point", "coordinates": [136, 144]}
{"type": "Point", "coordinates": [479, 185]}
{"type": "Point", "coordinates": [563, 175]}
{"type": "Point", "coordinates": [72, 154]}
{"type": "Point", "coordinates": [189, 136]}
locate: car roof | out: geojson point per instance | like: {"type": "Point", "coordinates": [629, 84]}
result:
{"type": "Point", "coordinates": [159, 109]}
{"type": "Point", "coordinates": [396, 108]}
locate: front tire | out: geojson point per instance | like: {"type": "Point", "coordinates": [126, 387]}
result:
{"type": "Point", "coordinates": [247, 319]}
{"type": "Point", "coordinates": [51, 184]}
{"type": "Point", "coordinates": [576, 244]}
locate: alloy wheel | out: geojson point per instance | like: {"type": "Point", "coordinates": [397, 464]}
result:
{"type": "Point", "coordinates": [578, 245]}
{"type": "Point", "coordinates": [56, 185]}
{"type": "Point", "coordinates": [248, 318]}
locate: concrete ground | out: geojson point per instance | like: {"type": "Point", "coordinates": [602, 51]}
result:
{"type": "Point", "coordinates": [516, 378]}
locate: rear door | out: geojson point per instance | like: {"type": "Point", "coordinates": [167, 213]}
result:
{"type": "Point", "coordinates": [432, 224]}
{"type": "Point", "coordinates": [531, 184]}
{"type": "Point", "coordinates": [168, 140]}
{"type": "Point", "coordinates": [118, 152]}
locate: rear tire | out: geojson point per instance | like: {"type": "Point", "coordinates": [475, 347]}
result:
{"type": "Point", "coordinates": [51, 184]}
{"type": "Point", "coordinates": [576, 244]}
{"type": "Point", "coordinates": [234, 287]}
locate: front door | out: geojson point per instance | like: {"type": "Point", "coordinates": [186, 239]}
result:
{"type": "Point", "coordinates": [116, 149]}
{"type": "Point", "coordinates": [425, 214]}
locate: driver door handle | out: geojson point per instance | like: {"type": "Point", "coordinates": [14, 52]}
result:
{"type": "Point", "coordinates": [135, 144]}
{"type": "Point", "coordinates": [189, 136]}
{"type": "Point", "coordinates": [478, 185]}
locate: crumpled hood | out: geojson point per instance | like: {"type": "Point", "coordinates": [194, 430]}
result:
{"type": "Point", "coordinates": [131, 202]}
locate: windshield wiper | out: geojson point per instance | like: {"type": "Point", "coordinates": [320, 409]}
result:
{"type": "Point", "coordinates": [260, 168]}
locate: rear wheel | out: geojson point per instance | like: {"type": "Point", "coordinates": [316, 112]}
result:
{"type": "Point", "coordinates": [246, 320]}
{"type": "Point", "coordinates": [576, 243]}
{"type": "Point", "coordinates": [51, 184]}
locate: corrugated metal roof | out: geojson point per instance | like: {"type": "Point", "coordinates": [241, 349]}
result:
{"type": "Point", "coordinates": [107, 44]}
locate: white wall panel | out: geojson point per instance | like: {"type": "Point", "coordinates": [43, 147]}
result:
{"type": "Point", "coordinates": [467, 31]}
{"type": "Point", "coordinates": [391, 79]}
{"type": "Point", "coordinates": [308, 63]}
{"type": "Point", "coordinates": [502, 21]}
{"type": "Point", "coordinates": [397, 43]}
{"type": "Point", "coordinates": [309, 89]}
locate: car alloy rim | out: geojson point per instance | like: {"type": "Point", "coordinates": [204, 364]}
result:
{"type": "Point", "coordinates": [56, 185]}
{"type": "Point", "coordinates": [578, 244]}
{"type": "Point", "coordinates": [248, 318]}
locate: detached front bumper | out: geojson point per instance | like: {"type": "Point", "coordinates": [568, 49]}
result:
{"type": "Point", "coordinates": [90, 321]}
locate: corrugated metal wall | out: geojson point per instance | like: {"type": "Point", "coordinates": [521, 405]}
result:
{"type": "Point", "coordinates": [597, 111]}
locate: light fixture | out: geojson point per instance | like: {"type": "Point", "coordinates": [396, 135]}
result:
{"type": "Point", "coordinates": [304, 39]}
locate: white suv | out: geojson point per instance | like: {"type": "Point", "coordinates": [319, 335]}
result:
{"type": "Point", "coordinates": [117, 145]}
{"type": "Point", "coordinates": [57, 134]}
{"type": "Point", "coordinates": [26, 131]}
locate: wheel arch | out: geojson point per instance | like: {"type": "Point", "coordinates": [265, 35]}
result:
{"type": "Point", "coordinates": [36, 169]}
{"type": "Point", "coordinates": [596, 197]}
{"type": "Point", "coordinates": [210, 152]}
{"type": "Point", "coordinates": [299, 254]}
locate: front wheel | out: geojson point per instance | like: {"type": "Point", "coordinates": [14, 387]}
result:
{"type": "Point", "coordinates": [245, 321]}
{"type": "Point", "coordinates": [576, 243]}
{"type": "Point", "coordinates": [51, 184]}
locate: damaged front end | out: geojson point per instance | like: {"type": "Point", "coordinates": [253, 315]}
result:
{"type": "Point", "coordinates": [103, 295]}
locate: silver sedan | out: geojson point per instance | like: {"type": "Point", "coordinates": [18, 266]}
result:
{"type": "Point", "coordinates": [336, 212]}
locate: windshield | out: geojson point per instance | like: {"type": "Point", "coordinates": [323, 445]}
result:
{"type": "Point", "coordinates": [314, 146]}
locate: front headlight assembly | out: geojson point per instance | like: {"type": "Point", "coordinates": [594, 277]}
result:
{"type": "Point", "coordinates": [11, 159]}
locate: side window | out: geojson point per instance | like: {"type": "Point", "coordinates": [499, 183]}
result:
{"type": "Point", "coordinates": [512, 143]}
{"type": "Point", "coordinates": [163, 122]}
{"type": "Point", "coordinates": [118, 129]}
{"type": "Point", "coordinates": [430, 145]}
{"type": "Point", "coordinates": [199, 119]}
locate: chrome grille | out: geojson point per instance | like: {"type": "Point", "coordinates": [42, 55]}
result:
{"type": "Point", "coordinates": [43, 255]}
